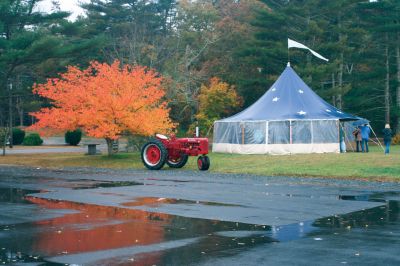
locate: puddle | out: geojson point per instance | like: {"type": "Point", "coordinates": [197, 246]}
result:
{"type": "Point", "coordinates": [170, 180]}
{"type": "Point", "coordinates": [153, 202]}
{"type": "Point", "coordinates": [94, 234]}
{"type": "Point", "coordinates": [97, 228]}
{"type": "Point", "coordinates": [90, 184]}
{"type": "Point", "coordinates": [72, 183]}
{"type": "Point", "coordinates": [372, 197]}
{"type": "Point", "coordinates": [15, 195]}
{"type": "Point", "coordinates": [378, 216]}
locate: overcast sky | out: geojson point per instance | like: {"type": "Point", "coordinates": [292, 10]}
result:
{"type": "Point", "coordinates": [65, 5]}
{"type": "Point", "coordinates": [72, 6]}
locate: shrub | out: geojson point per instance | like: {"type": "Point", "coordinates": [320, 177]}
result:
{"type": "Point", "coordinates": [73, 137]}
{"type": "Point", "coordinates": [18, 136]}
{"type": "Point", "coordinates": [33, 140]}
{"type": "Point", "coordinates": [135, 143]}
{"type": "Point", "coordinates": [396, 139]}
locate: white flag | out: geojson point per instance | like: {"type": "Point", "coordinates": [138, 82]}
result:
{"type": "Point", "coordinates": [295, 44]}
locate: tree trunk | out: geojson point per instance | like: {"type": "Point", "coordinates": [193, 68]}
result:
{"type": "Point", "coordinates": [3, 144]}
{"type": "Point", "coordinates": [109, 146]}
{"type": "Point", "coordinates": [20, 111]}
{"type": "Point", "coordinates": [10, 117]}
{"type": "Point", "coordinates": [21, 118]}
{"type": "Point", "coordinates": [340, 73]}
{"type": "Point", "coordinates": [333, 89]}
{"type": "Point", "coordinates": [398, 83]}
{"type": "Point", "coordinates": [340, 82]}
{"type": "Point", "coordinates": [387, 103]}
{"type": "Point", "coordinates": [3, 139]}
{"type": "Point", "coordinates": [189, 93]}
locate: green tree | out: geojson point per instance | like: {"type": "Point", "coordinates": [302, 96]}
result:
{"type": "Point", "coordinates": [268, 52]}
{"type": "Point", "coordinates": [216, 101]}
{"type": "Point", "coordinates": [233, 31]}
{"type": "Point", "coordinates": [134, 31]}
{"type": "Point", "coordinates": [208, 36]}
{"type": "Point", "coordinates": [33, 46]}
{"type": "Point", "coordinates": [265, 54]}
{"type": "Point", "coordinates": [383, 22]}
{"type": "Point", "coordinates": [21, 44]}
{"type": "Point", "coordinates": [195, 34]}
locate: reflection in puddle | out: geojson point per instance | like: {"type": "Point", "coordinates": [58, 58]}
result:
{"type": "Point", "coordinates": [152, 201]}
{"type": "Point", "coordinates": [171, 180]}
{"type": "Point", "coordinates": [88, 184]}
{"type": "Point", "coordinates": [96, 228]}
{"type": "Point", "coordinates": [73, 183]}
{"type": "Point", "coordinates": [15, 195]}
{"type": "Point", "coordinates": [372, 197]}
{"type": "Point", "coordinates": [378, 216]}
{"type": "Point", "coordinates": [106, 235]}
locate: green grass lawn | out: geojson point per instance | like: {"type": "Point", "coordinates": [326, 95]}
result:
{"type": "Point", "coordinates": [373, 165]}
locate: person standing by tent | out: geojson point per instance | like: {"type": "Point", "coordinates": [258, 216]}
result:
{"type": "Point", "coordinates": [365, 131]}
{"type": "Point", "coordinates": [387, 137]}
{"type": "Point", "coordinates": [357, 137]}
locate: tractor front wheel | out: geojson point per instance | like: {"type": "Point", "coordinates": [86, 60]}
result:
{"type": "Point", "coordinates": [154, 154]}
{"type": "Point", "coordinates": [203, 163]}
{"type": "Point", "coordinates": [179, 162]}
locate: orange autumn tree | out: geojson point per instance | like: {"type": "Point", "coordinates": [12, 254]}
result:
{"type": "Point", "coordinates": [104, 101]}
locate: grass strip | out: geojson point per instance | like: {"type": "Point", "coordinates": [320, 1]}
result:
{"type": "Point", "coordinates": [370, 166]}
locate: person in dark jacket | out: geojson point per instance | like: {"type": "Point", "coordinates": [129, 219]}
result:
{"type": "Point", "coordinates": [357, 138]}
{"type": "Point", "coordinates": [365, 131]}
{"type": "Point", "coordinates": [387, 138]}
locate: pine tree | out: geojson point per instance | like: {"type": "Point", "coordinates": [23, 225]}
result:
{"type": "Point", "coordinates": [268, 52]}
{"type": "Point", "coordinates": [23, 42]}
{"type": "Point", "coordinates": [33, 45]}
{"type": "Point", "coordinates": [134, 30]}
{"type": "Point", "coordinates": [382, 20]}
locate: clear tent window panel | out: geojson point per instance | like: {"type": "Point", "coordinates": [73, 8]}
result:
{"type": "Point", "coordinates": [301, 131]}
{"type": "Point", "coordinates": [227, 132]}
{"type": "Point", "coordinates": [278, 132]}
{"type": "Point", "coordinates": [348, 128]}
{"type": "Point", "coordinates": [254, 132]}
{"type": "Point", "coordinates": [325, 131]}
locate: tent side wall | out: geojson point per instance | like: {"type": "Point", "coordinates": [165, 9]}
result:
{"type": "Point", "coordinates": [276, 149]}
{"type": "Point", "coordinates": [276, 137]}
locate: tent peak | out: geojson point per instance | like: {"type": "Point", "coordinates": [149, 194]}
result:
{"type": "Point", "coordinates": [288, 64]}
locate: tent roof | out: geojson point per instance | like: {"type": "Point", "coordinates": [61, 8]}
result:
{"type": "Point", "coordinates": [289, 98]}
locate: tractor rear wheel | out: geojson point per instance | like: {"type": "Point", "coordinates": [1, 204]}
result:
{"type": "Point", "coordinates": [178, 163]}
{"type": "Point", "coordinates": [154, 154]}
{"type": "Point", "coordinates": [203, 163]}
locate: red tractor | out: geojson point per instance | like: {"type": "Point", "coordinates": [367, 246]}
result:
{"type": "Point", "coordinates": [175, 152]}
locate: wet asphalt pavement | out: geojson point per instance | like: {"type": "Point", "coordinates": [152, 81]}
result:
{"type": "Point", "coordinates": [132, 217]}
